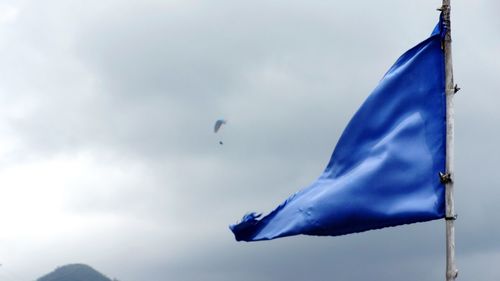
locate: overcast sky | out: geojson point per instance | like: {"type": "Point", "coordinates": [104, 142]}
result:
{"type": "Point", "coordinates": [107, 154]}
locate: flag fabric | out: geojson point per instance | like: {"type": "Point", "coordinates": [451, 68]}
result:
{"type": "Point", "coordinates": [384, 170]}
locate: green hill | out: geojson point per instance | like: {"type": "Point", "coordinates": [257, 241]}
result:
{"type": "Point", "coordinates": [75, 272]}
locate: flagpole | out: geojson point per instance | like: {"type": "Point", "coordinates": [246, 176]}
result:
{"type": "Point", "coordinates": [451, 89]}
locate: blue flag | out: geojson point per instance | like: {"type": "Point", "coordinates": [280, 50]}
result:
{"type": "Point", "coordinates": [385, 168]}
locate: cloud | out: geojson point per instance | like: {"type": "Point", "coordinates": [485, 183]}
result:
{"type": "Point", "coordinates": [107, 153]}
{"type": "Point", "coordinates": [8, 13]}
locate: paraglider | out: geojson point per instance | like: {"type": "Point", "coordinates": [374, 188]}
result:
{"type": "Point", "coordinates": [218, 125]}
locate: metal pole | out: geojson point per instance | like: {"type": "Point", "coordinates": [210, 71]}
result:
{"type": "Point", "coordinates": [451, 89]}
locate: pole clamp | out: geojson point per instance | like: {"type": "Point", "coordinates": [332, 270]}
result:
{"type": "Point", "coordinates": [452, 218]}
{"type": "Point", "coordinates": [445, 178]}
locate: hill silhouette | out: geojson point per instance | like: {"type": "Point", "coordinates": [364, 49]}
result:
{"type": "Point", "coordinates": [74, 272]}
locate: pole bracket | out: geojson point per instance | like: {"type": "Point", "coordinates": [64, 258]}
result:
{"type": "Point", "coordinates": [451, 218]}
{"type": "Point", "coordinates": [445, 178]}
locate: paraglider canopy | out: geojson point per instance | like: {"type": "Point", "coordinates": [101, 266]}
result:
{"type": "Point", "coordinates": [219, 124]}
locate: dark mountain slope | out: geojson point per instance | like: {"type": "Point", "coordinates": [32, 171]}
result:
{"type": "Point", "coordinates": [74, 272]}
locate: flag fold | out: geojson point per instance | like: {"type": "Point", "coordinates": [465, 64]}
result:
{"type": "Point", "coordinates": [384, 170]}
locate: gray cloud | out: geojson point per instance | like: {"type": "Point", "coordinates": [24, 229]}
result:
{"type": "Point", "coordinates": [108, 107]}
